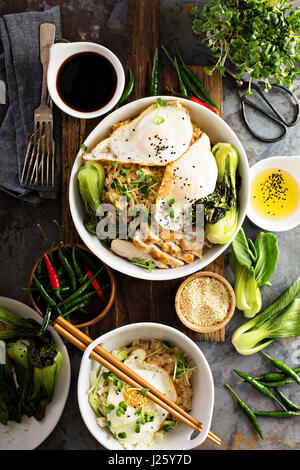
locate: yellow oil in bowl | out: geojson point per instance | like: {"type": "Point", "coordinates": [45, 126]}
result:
{"type": "Point", "coordinates": [275, 194]}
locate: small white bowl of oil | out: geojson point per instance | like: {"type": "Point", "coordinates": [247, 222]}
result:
{"type": "Point", "coordinates": [275, 193]}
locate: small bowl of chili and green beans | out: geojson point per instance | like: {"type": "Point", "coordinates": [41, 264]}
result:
{"type": "Point", "coordinates": [69, 281]}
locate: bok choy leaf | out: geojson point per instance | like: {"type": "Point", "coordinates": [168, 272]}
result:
{"type": "Point", "coordinates": [252, 265]}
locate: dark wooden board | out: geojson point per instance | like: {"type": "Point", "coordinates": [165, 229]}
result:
{"type": "Point", "coordinates": [137, 300]}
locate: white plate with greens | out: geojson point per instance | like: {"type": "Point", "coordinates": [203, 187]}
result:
{"type": "Point", "coordinates": [30, 433]}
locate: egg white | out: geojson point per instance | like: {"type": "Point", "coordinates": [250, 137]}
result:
{"type": "Point", "coordinates": [188, 179]}
{"type": "Point", "coordinates": [158, 136]}
{"type": "Point", "coordinates": [157, 377]}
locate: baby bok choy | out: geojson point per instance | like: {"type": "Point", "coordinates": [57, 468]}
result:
{"type": "Point", "coordinates": [220, 207]}
{"type": "Point", "coordinates": [91, 178]}
{"type": "Point", "coordinates": [252, 264]}
{"type": "Point", "coordinates": [279, 320]}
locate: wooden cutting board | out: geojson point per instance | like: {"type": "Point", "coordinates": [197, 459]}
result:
{"type": "Point", "coordinates": [137, 300]}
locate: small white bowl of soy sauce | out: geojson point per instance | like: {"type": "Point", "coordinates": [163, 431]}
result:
{"type": "Point", "coordinates": [85, 79]}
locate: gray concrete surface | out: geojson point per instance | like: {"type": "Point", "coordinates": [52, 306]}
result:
{"type": "Point", "coordinates": [21, 242]}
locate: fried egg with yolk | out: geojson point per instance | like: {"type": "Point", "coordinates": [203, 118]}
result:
{"type": "Point", "coordinates": [134, 419]}
{"type": "Point", "coordinates": [188, 179]}
{"type": "Point", "coordinates": [158, 136]}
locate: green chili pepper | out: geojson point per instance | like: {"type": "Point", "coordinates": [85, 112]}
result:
{"type": "Point", "coordinates": [88, 260]}
{"type": "Point", "coordinates": [46, 320]}
{"type": "Point", "coordinates": [275, 376]}
{"type": "Point", "coordinates": [80, 306]}
{"type": "Point", "coordinates": [248, 412]}
{"type": "Point", "coordinates": [154, 75]}
{"type": "Point", "coordinates": [77, 301]}
{"type": "Point", "coordinates": [261, 388]}
{"type": "Point", "coordinates": [279, 383]}
{"type": "Point", "coordinates": [43, 291]}
{"type": "Point", "coordinates": [67, 266]}
{"type": "Point", "coordinates": [50, 252]}
{"type": "Point", "coordinates": [128, 90]}
{"type": "Point", "coordinates": [287, 401]}
{"type": "Point", "coordinates": [65, 289]}
{"type": "Point", "coordinates": [77, 269]}
{"type": "Point", "coordinates": [39, 267]}
{"type": "Point", "coordinates": [277, 414]}
{"type": "Point", "coordinates": [189, 84]}
{"type": "Point", "coordinates": [200, 85]}
{"type": "Point", "coordinates": [182, 86]}
{"type": "Point", "coordinates": [60, 271]}
{"type": "Point", "coordinates": [82, 288]}
{"type": "Point", "coordinates": [284, 367]}
{"type": "Point", "coordinates": [192, 77]}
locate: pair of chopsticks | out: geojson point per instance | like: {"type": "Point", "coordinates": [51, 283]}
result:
{"type": "Point", "coordinates": [127, 375]}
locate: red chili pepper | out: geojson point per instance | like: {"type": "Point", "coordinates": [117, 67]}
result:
{"type": "Point", "coordinates": [95, 284]}
{"type": "Point", "coordinates": [53, 277]}
{"type": "Point", "coordinates": [196, 100]}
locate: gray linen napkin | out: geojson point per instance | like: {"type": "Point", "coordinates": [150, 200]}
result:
{"type": "Point", "coordinates": [21, 70]}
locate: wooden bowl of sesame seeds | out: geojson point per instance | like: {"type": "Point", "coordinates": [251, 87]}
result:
{"type": "Point", "coordinates": [205, 302]}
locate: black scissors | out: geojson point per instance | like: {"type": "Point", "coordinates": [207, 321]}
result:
{"type": "Point", "coordinates": [273, 115]}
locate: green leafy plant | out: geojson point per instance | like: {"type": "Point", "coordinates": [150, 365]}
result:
{"type": "Point", "coordinates": [260, 37]}
{"type": "Point", "coordinates": [252, 264]}
{"type": "Point", "coordinates": [279, 320]}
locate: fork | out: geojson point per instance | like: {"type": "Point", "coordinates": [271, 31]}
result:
{"type": "Point", "coordinates": [41, 145]}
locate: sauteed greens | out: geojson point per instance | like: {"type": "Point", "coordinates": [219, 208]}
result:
{"type": "Point", "coordinates": [252, 264]}
{"type": "Point", "coordinates": [32, 363]}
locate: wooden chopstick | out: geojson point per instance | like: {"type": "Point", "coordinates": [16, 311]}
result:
{"type": "Point", "coordinates": [110, 362]}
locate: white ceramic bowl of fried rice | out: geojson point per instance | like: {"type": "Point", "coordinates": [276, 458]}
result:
{"type": "Point", "coordinates": [201, 382]}
{"type": "Point", "coordinates": [217, 130]}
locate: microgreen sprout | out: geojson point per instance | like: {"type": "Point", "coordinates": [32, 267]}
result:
{"type": "Point", "coordinates": [260, 37]}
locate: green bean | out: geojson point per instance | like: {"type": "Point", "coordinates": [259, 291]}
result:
{"type": "Point", "coordinates": [128, 90]}
{"type": "Point", "coordinates": [279, 383]}
{"type": "Point", "coordinates": [46, 321]}
{"type": "Point", "coordinates": [67, 266]}
{"type": "Point", "coordinates": [277, 414]}
{"type": "Point", "coordinates": [284, 367]}
{"type": "Point", "coordinates": [43, 291]}
{"type": "Point", "coordinates": [248, 412]}
{"type": "Point", "coordinates": [154, 75]}
{"type": "Point", "coordinates": [259, 386]}
{"type": "Point", "coordinates": [287, 401]}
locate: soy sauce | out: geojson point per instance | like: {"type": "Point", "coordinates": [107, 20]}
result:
{"type": "Point", "coordinates": [86, 81]}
